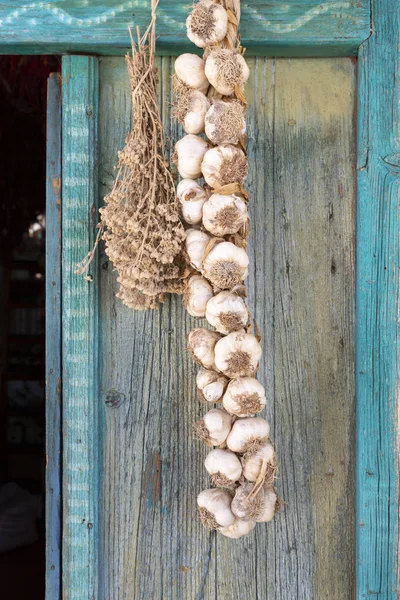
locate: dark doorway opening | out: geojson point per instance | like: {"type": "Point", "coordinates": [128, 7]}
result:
{"type": "Point", "coordinates": [23, 93]}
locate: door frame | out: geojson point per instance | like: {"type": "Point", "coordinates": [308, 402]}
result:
{"type": "Point", "coordinates": [375, 43]}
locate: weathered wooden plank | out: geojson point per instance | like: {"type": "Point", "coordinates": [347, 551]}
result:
{"type": "Point", "coordinates": [53, 340]}
{"type": "Point", "coordinates": [153, 544]}
{"type": "Point", "coordinates": [377, 367]}
{"type": "Point", "coordinates": [81, 441]}
{"type": "Point", "coordinates": [301, 148]}
{"type": "Point", "coordinates": [301, 28]}
{"type": "Point", "coordinates": [314, 160]}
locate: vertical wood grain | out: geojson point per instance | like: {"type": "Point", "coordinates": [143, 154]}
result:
{"type": "Point", "coordinates": [81, 442]}
{"type": "Point", "coordinates": [154, 545]}
{"type": "Point", "coordinates": [301, 149]}
{"type": "Point", "coordinates": [53, 339]}
{"type": "Point", "coordinates": [377, 368]}
{"type": "Point", "coordinates": [314, 160]}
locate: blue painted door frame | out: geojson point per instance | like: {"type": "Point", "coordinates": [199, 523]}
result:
{"type": "Point", "coordinates": [377, 295]}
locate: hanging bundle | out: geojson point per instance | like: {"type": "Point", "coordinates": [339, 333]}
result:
{"type": "Point", "coordinates": [211, 100]}
{"type": "Point", "coordinates": [140, 221]}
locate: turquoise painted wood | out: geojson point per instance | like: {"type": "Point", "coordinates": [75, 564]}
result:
{"type": "Point", "coordinates": [53, 340]}
{"type": "Point", "coordinates": [377, 338]}
{"type": "Point", "coordinates": [81, 440]}
{"type": "Point", "coordinates": [301, 28]}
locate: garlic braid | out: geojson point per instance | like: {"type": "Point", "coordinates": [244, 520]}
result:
{"type": "Point", "coordinates": [243, 464]}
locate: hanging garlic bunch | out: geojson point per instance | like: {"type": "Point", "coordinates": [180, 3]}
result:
{"type": "Point", "coordinates": [196, 295]}
{"type": "Point", "coordinates": [244, 397]}
{"type": "Point", "coordinates": [225, 265]}
{"type": "Point", "coordinates": [251, 506]}
{"type": "Point", "coordinates": [210, 385]}
{"type": "Point", "coordinates": [210, 99]}
{"type": "Point", "coordinates": [225, 122]}
{"type": "Point", "coordinates": [196, 243]}
{"type": "Point", "coordinates": [190, 109]}
{"type": "Point", "coordinates": [190, 70]}
{"type": "Point", "coordinates": [224, 468]}
{"type": "Point", "coordinates": [224, 165]}
{"type": "Point", "coordinates": [192, 198]}
{"type": "Point", "coordinates": [202, 346]}
{"type": "Point", "coordinates": [223, 215]}
{"type": "Point", "coordinates": [227, 71]}
{"type": "Point", "coordinates": [227, 312]}
{"type": "Point", "coordinates": [214, 427]}
{"type": "Point", "coordinates": [188, 156]}
{"type": "Point", "coordinates": [237, 354]}
{"type": "Point", "coordinates": [207, 23]}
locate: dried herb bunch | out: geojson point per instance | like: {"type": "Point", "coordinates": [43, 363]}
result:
{"type": "Point", "coordinates": [140, 222]}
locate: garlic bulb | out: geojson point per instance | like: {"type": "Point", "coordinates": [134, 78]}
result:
{"type": "Point", "coordinates": [197, 293]}
{"type": "Point", "coordinates": [196, 242]}
{"type": "Point", "coordinates": [207, 23]}
{"type": "Point", "coordinates": [254, 504]}
{"type": "Point", "coordinates": [223, 215]}
{"type": "Point", "coordinates": [226, 70]}
{"type": "Point", "coordinates": [190, 69]}
{"type": "Point", "coordinates": [192, 109]}
{"type": "Point", "coordinates": [202, 346]}
{"type": "Point", "coordinates": [223, 165]}
{"type": "Point", "coordinates": [270, 503]}
{"type": "Point", "coordinates": [239, 529]}
{"type": "Point", "coordinates": [191, 197]}
{"type": "Point", "coordinates": [215, 508]}
{"type": "Point", "coordinates": [225, 122]}
{"type": "Point", "coordinates": [244, 397]}
{"type": "Point", "coordinates": [210, 385]}
{"type": "Point", "coordinates": [224, 468]}
{"type": "Point", "coordinates": [227, 312]}
{"type": "Point", "coordinates": [237, 354]}
{"type": "Point", "coordinates": [188, 156]}
{"type": "Point", "coordinates": [214, 427]}
{"type": "Point", "coordinates": [248, 435]}
{"type": "Point", "coordinates": [226, 265]}
{"type": "Point", "coordinates": [262, 463]}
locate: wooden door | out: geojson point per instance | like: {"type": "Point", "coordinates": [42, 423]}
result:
{"type": "Point", "coordinates": [302, 188]}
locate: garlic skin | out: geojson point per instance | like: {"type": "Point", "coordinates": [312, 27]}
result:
{"type": "Point", "coordinates": [214, 427]}
{"type": "Point", "coordinates": [239, 529]}
{"type": "Point", "coordinates": [225, 122]}
{"type": "Point", "coordinates": [207, 23]}
{"type": "Point", "coordinates": [270, 499]}
{"type": "Point", "coordinates": [226, 70]}
{"type": "Point", "coordinates": [196, 296]}
{"type": "Point", "coordinates": [254, 504]}
{"type": "Point", "coordinates": [224, 467]}
{"type": "Point", "coordinates": [202, 346]}
{"type": "Point", "coordinates": [237, 355]}
{"type": "Point", "coordinates": [215, 508]}
{"type": "Point", "coordinates": [210, 385]}
{"type": "Point", "coordinates": [227, 312]}
{"type": "Point", "coordinates": [196, 242]}
{"type": "Point", "coordinates": [223, 165]}
{"type": "Point", "coordinates": [189, 153]}
{"type": "Point", "coordinates": [244, 397]}
{"type": "Point", "coordinates": [192, 197]}
{"type": "Point", "coordinates": [194, 120]}
{"type": "Point", "coordinates": [248, 435]}
{"type": "Point", "coordinates": [190, 69]}
{"type": "Point", "coordinates": [224, 215]}
{"type": "Point", "coordinates": [253, 464]}
{"type": "Point", "coordinates": [226, 265]}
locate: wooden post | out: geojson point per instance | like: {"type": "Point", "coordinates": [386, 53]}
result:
{"type": "Point", "coordinates": [81, 443]}
{"type": "Point", "coordinates": [377, 304]}
{"type": "Point", "coordinates": [53, 339]}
